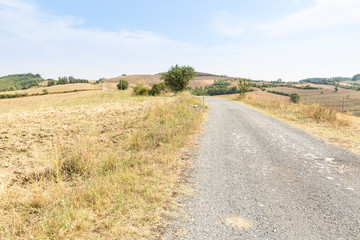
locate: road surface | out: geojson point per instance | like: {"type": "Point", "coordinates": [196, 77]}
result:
{"type": "Point", "coordinates": [258, 178]}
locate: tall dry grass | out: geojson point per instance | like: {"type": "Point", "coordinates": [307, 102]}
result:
{"type": "Point", "coordinates": [104, 182]}
{"type": "Point", "coordinates": [324, 122]}
{"type": "Point", "coordinates": [300, 111]}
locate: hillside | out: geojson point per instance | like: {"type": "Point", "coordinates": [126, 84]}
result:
{"type": "Point", "coordinates": [19, 81]}
{"type": "Point", "coordinates": [201, 80]}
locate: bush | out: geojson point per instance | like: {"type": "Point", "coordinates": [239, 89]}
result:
{"type": "Point", "coordinates": [51, 82]}
{"type": "Point", "coordinates": [155, 90]}
{"type": "Point", "coordinates": [140, 89]}
{"type": "Point", "coordinates": [45, 91]}
{"type": "Point", "coordinates": [295, 98]}
{"type": "Point", "coordinates": [123, 84]}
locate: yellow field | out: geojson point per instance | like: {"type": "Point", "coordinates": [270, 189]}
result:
{"type": "Point", "coordinates": [328, 97]}
{"type": "Point", "coordinates": [91, 165]}
{"type": "Point", "coordinates": [58, 88]}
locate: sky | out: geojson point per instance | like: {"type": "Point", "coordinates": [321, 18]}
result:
{"type": "Point", "coordinates": [257, 39]}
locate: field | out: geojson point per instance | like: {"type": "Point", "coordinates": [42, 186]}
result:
{"type": "Point", "coordinates": [92, 165]}
{"type": "Point", "coordinates": [149, 80]}
{"type": "Point", "coordinates": [328, 97]}
{"type": "Point", "coordinates": [58, 88]}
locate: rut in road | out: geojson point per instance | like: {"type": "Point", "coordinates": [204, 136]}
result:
{"type": "Point", "coordinates": [258, 178]}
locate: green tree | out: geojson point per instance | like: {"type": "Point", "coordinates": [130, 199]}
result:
{"type": "Point", "coordinates": [123, 84]}
{"type": "Point", "coordinates": [178, 77]}
{"type": "Point", "coordinates": [244, 86]}
{"type": "Point", "coordinates": [63, 80]}
{"type": "Point", "coordinates": [295, 98]}
{"type": "Point", "coordinates": [336, 88]}
{"type": "Point", "coordinates": [51, 82]}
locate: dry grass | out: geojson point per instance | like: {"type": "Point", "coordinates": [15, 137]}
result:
{"type": "Point", "coordinates": [328, 97]}
{"type": "Point", "coordinates": [326, 123]}
{"type": "Point", "coordinates": [58, 88]}
{"type": "Point", "coordinates": [64, 100]}
{"type": "Point", "coordinates": [98, 165]}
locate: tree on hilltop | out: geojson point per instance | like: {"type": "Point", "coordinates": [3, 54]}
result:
{"type": "Point", "coordinates": [178, 77]}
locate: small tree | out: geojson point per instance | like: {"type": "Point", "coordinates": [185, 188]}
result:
{"type": "Point", "coordinates": [51, 82]}
{"type": "Point", "coordinates": [123, 84]}
{"type": "Point", "coordinates": [295, 98]}
{"type": "Point", "coordinates": [336, 88]}
{"type": "Point", "coordinates": [178, 77]}
{"type": "Point", "coordinates": [244, 86]}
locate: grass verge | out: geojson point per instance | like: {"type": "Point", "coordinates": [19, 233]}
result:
{"type": "Point", "coordinates": [110, 175]}
{"type": "Point", "coordinates": [326, 123]}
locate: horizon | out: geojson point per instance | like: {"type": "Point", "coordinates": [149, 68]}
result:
{"type": "Point", "coordinates": [291, 40]}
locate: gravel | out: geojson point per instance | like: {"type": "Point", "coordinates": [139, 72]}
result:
{"type": "Point", "coordinates": [258, 178]}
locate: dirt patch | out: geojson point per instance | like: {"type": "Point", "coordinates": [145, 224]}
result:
{"type": "Point", "coordinates": [238, 222]}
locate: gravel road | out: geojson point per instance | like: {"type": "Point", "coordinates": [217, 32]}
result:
{"type": "Point", "coordinates": [258, 178]}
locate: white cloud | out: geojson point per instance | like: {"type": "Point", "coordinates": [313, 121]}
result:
{"type": "Point", "coordinates": [324, 14]}
{"type": "Point", "coordinates": [34, 41]}
{"type": "Point", "coordinates": [227, 24]}
{"type": "Point", "coordinates": [61, 44]}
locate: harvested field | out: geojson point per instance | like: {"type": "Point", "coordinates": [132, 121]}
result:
{"type": "Point", "coordinates": [59, 88]}
{"type": "Point", "coordinates": [92, 165]}
{"type": "Point", "coordinates": [328, 97]}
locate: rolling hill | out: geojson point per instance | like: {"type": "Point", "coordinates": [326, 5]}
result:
{"type": "Point", "coordinates": [202, 79]}
{"type": "Point", "coordinates": [19, 81]}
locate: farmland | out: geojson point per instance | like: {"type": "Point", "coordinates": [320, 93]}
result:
{"type": "Point", "coordinates": [328, 97]}
{"type": "Point", "coordinates": [92, 164]}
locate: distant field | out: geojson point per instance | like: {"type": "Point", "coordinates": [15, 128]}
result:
{"type": "Point", "coordinates": [58, 88]}
{"type": "Point", "coordinates": [200, 81]}
{"type": "Point", "coordinates": [328, 97]}
{"type": "Point", "coordinates": [61, 100]}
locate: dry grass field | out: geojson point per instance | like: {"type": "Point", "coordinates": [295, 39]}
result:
{"type": "Point", "coordinates": [59, 88]}
{"type": "Point", "coordinates": [328, 97]}
{"type": "Point", "coordinates": [326, 123]}
{"type": "Point", "coordinates": [91, 165]}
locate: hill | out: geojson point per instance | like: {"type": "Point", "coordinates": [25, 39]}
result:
{"type": "Point", "coordinates": [201, 80]}
{"type": "Point", "coordinates": [19, 81]}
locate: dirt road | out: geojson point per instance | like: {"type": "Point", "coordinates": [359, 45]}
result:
{"type": "Point", "coordinates": [258, 178]}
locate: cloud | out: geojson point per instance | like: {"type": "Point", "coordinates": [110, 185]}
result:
{"type": "Point", "coordinates": [323, 15]}
{"type": "Point", "coordinates": [36, 40]}
{"type": "Point", "coordinates": [227, 24]}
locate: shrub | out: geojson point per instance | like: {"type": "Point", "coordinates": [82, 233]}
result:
{"type": "Point", "coordinates": [123, 84]}
{"type": "Point", "coordinates": [295, 98]}
{"type": "Point", "coordinates": [140, 89]}
{"type": "Point", "coordinates": [155, 90]}
{"type": "Point", "coordinates": [45, 91]}
{"type": "Point", "coordinates": [279, 93]}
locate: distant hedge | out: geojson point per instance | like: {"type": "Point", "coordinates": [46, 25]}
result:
{"type": "Point", "coordinates": [16, 95]}
{"type": "Point", "coordinates": [279, 93]}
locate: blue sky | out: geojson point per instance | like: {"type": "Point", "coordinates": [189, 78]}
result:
{"type": "Point", "coordinates": [258, 39]}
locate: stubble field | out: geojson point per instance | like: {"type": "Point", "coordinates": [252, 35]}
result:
{"type": "Point", "coordinates": [91, 165]}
